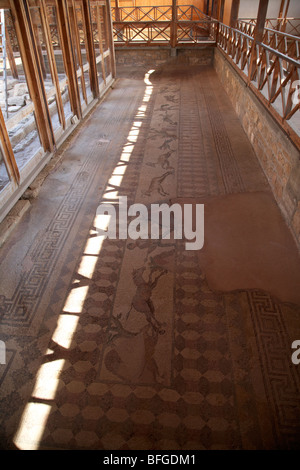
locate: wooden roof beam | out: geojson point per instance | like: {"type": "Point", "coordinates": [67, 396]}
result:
{"type": "Point", "coordinates": [4, 4]}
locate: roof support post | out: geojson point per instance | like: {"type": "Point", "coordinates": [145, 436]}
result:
{"type": "Point", "coordinates": [174, 24]}
{"type": "Point", "coordinates": [34, 74]}
{"type": "Point", "coordinates": [234, 14]}
{"type": "Point", "coordinates": [87, 24]}
{"type": "Point", "coordinates": [258, 33]}
{"type": "Point", "coordinates": [68, 55]}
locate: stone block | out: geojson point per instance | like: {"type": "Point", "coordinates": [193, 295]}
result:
{"type": "Point", "coordinates": [20, 89]}
{"type": "Point", "coordinates": [11, 83]}
{"type": "Point", "coordinates": [14, 109]}
{"type": "Point", "coordinates": [16, 101]}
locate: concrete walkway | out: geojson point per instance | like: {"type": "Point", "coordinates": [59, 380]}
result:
{"type": "Point", "coordinates": [140, 344]}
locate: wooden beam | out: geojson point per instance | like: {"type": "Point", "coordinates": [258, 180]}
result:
{"type": "Point", "coordinates": [30, 59]}
{"type": "Point", "coordinates": [207, 7]}
{"type": "Point", "coordinates": [258, 34]}
{"type": "Point", "coordinates": [52, 62]}
{"type": "Point", "coordinates": [76, 38]}
{"type": "Point", "coordinates": [117, 11]}
{"type": "Point", "coordinates": [10, 54]}
{"type": "Point", "coordinates": [4, 4]}
{"type": "Point", "coordinates": [234, 14]}
{"type": "Point", "coordinates": [7, 151]}
{"type": "Point", "coordinates": [216, 9]}
{"type": "Point", "coordinates": [68, 55]}
{"type": "Point", "coordinates": [281, 8]}
{"type": "Point", "coordinates": [99, 29]}
{"type": "Point", "coordinates": [287, 9]}
{"type": "Point", "coordinates": [109, 23]}
{"type": "Point", "coordinates": [261, 20]}
{"type": "Point", "coordinates": [90, 46]}
{"type": "Point", "coordinates": [283, 21]}
{"type": "Point", "coordinates": [174, 24]}
{"type": "Point", "coordinates": [221, 12]}
{"type": "Point", "coordinates": [35, 23]}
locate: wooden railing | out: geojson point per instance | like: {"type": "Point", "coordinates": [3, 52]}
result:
{"type": "Point", "coordinates": [286, 25]}
{"type": "Point", "coordinates": [272, 75]}
{"type": "Point", "coordinates": [134, 26]}
{"type": "Point", "coordinates": [280, 41]}
{"type": "Point", "coordinates": [289, 25]}
{"type": "Point", "coordinates": [271, 68]}
{"type": "Point", "coordinates": [157, 13]}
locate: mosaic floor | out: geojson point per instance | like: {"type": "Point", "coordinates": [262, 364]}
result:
{"type": "Point", "coordinates": [140, 344]}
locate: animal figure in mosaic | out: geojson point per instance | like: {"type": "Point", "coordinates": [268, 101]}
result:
{"type": "Point", "coordinates": [164, 89]}
{"type": "Point", "coordinates": [117, 330]}
{"type": "Point", "coordinates": [142, 301]}
{"type": "Point", "coordinates": [171, 98]}
{"type": "Point", "coordinates": [163, 133]}
{"type": "Point", "coordinates": [163, 161]}
{"type": "Point", "coordinates": [150, 337]}
{"type": "Point", "coordinates": [166, 144]}
{"type": "Point", "coordinates": [166, 107]}
{"type": "Point", "coordinates": [116, 362]}
{"type": "Point", "coordinates": [167, 119]}
{"type": "Point", "coordinates": [156, 184]}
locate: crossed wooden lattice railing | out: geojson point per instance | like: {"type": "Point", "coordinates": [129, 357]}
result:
{"type": "Point", "coordinates": [157, 13]}
{"type": "Point", "coordinates": [271, 74]}
{"type": "Point", "coordinates": [271, 67]}
{"type": "Point", "coordinates": [286, 25]}
{"type": "Point", "coordinates": [283, 42]}
{"type": "Point", "coordinates": [153, 25]}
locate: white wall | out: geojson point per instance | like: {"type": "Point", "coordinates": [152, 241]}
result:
{"type": "Point", "coordinates": [294, 10]}
{"type": "Point", "coordinates": [248, 8]}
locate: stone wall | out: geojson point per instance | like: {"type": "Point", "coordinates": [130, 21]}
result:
{"type": "Point", "coordinates": [199, 56]}
{"type": "Point", "coordinates": [279, 158]}
{"type": "Point", "coordinates": [156, 56]}
{"type": "Point", "coordinates": [141, 57]}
